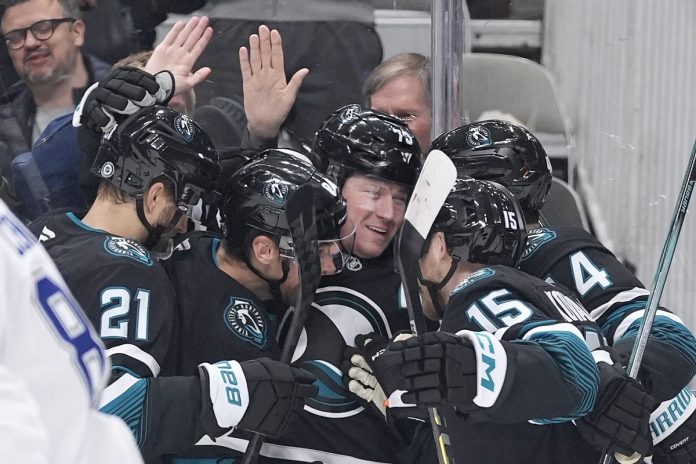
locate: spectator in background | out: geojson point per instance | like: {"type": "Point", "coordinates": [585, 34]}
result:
{"type": "Point", "coordinates": [44, 39]}
{"type": "Point", "coordinates": [401, 87]}
{"type": "Point", "coordinates": [334, 39]}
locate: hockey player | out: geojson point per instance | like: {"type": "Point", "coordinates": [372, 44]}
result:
{"type": "Point", "coordinates": [519, 368]}
{"type": "Point", "coordinates": [572, 257]}
{"type": "Point", "coordinates": [375, 160]}
{"type": "Point", "coordinates": [232, 290]}
{"type": "Point", "coordinates": [153, 167]}
{"type": "Point", "coordinates": [52, 365]}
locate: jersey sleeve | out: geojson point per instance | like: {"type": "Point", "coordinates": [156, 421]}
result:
{"type": "Point", "coordinates": [542, 355]}
{"type": "Point", "coordinates": [669, 360]}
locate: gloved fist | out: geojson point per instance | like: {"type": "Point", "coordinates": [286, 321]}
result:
{"type": "Point", "coordinates": [433, 368]}
{"type": "Point", "coordinates": [360, 363]}
{"type": "Point", "coordinates": [620, 421]}
{"type": "Point", "coordinates": [123, 92]}
{"type": "Point", "coordinates": [260, 395]}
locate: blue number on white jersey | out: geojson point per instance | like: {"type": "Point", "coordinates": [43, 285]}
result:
{"type": "Point", "coordinates": [586, 275]}
{"type": "Point", "coordinates": [72, 326]}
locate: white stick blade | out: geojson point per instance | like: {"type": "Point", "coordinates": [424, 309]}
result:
{"type": "Point", "coordinates": [434, 184]}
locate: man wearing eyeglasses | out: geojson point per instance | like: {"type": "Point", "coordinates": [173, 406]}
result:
{"type": "Point", "coordinates": [44, 40]}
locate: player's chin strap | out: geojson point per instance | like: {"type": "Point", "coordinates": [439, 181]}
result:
{"type": "Point", "coordinates": [274, 284]}
{"type": "Point", "coordinates": [435, 287]}
{"type": "Point", "coordinates": [155, 233]}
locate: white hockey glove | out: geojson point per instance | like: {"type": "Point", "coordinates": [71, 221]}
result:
{"type": "Point", "coordinates": [260, 395]}
{"type": "Point", "coordinates": [362, 368]}
{"type": "Point", "coordinates": [123, 92]}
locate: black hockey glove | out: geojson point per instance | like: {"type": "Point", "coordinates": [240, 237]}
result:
{"type": "Point", "coordinates": [620, 419]}
{"type": "Point", "coordinates": [433, 368]}
{"type": "Point", "coordinates": [123, 92]}
{"type": "Point", "coordinates": [260, 395]}
{"type": "Point", "coordinates": [679, 446]}
{"type": "Point", "coordinates": [663, 373]}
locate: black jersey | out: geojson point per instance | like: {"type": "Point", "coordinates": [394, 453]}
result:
{"type": "Point", "coordinates": [128, 298]}
{"type": "Point", "coordinates": [336, 426]}
{"type": "Point", "coordinates": [550, 376]}
{"type": "Point", "coordinates": [220, 318]}
{"type": "Point", "coordinates": [616, 300]}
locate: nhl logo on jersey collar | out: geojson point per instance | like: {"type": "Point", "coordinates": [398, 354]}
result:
{"type": "Point", "coordinates": [536, 238]}
{"type": "Point", "coordinates": [245, 320]}
{"type": "Point", "coordinates": [276, 191]}
{"type": "Point", "coordinates": [120, 246]}
{"type": "Point", "coordinates": [185, 127]}
{"type": "Point", "coordinates": [478, 136]}
{"type": "Point", "coordinates": [353, 263]}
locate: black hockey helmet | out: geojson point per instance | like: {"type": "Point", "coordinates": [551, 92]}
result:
{"type": "Point", "coordinates": [502, 152]}
{"type": "Point", "coordinates": [482, 223]}
{"type": "Point", "coordinates": [159, 143]}
{"type": "Point", "coordinates": [355, 139]}
{"type": "Point", "coordinates": [255, 198]}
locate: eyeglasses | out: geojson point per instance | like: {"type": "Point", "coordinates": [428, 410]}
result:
{"type": "Point", "coordinates": [41, 30]}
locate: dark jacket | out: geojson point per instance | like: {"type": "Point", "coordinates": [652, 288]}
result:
{"type": "Point", "coordinates": [17, 115]}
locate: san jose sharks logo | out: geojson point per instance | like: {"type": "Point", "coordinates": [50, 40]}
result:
{"type": "Point", "coordinates": [276, 191]}
{"type": "Point", "coordinates": [184, 126]}
{"type": "Point", "coordinates": [478, 136]}
{"type": "Point", "coordinates": [475, 277]}
{"type": "Point", "coordinates": [245, 320]}
{"type": "Point", "coordinates": [535, 239]}
{"type": "Point", "coordinates": [119, 246]}
{"type": "Point", "coordinates": [349, 115]}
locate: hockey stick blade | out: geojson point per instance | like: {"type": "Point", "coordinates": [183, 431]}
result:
{"type": "Point", "coordinates": [300, 213]}
{"type": "Point", "coordinates": [663, 266]}
{"type": "Point", "coordinates": [429, 194]}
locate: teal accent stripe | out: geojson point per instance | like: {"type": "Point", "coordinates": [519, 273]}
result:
{"type": "Point", "coordinates": [82, 225]}
{"type": "Point", "coordinates": [214, 249]}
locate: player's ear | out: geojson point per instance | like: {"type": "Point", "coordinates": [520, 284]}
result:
{"type": "Point", "coordinates": [264, 249]}
{"type": "Point", "coordinates": [156, 194]}
{"type": "Point", "coordinates": [440, 246]}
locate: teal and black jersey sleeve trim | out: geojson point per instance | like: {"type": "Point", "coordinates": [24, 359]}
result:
{"type": "Point", "coordinates": [576, 366]}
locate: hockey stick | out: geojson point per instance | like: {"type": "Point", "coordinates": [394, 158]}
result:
{"type": "Point", "coordinates": [663, 266]}
{"type": "Point", "coordinates": [300, 213]}
{"type": "Point", "coordinates": [434, 184]}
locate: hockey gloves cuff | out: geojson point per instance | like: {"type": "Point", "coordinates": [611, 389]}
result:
{"type": "Point", "coordinates": [123, 92]}
{"type": "Point", "coordinates": [260, 395]}
{"type": "Point", "coordinates": [619, 421]}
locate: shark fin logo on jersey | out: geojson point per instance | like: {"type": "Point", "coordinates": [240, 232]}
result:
{"type": "Point", "coordinates": [353, 263]}
{"type": "Point", "coordinates": [119, 246]}
{"type": "Point", "coordinates": [475, 277]}
{"type": "Point", "coordinates": [536, 238]}
{"type": "Point", "coordinates": [276, 191]}
{"type": "Point", "coordinates": [185, 127]}
{"type": "Point", "coordinates": [245, 320]}
{"type": "Point", "coordinates": [478, 136]}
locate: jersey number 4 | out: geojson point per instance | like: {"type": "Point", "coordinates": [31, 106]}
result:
{"type": "Point", "coordinates": [116, 303]}
{"type": "Point", "coordinates": [586, 275]}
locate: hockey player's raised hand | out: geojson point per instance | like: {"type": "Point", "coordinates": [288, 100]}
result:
{"type": "Point", "coordinates": [433, 368]}
{"type": "Point", "coordinates": [179, 51]}
{"type": "Point", "coordinates": [268, 96]}
{"type": "Point", "coordinates": [259, 395]}
{"type": "Point", "coordinates": [619, 424]}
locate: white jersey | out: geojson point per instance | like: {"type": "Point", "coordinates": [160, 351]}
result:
{"type": "Point", "coordinates": [52, 365]}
